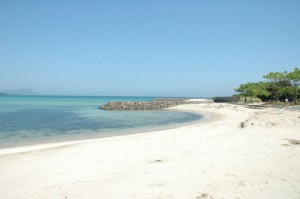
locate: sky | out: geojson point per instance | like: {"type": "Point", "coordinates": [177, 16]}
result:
{"type": "Point", "coordinates": [174, 48]}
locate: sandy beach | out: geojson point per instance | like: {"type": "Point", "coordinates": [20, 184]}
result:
{"type": "Point", "coordinates": [236, 152]}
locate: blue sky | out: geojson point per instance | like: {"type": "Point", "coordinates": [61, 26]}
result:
{"type": "Point", "coordinates": [145, 48]}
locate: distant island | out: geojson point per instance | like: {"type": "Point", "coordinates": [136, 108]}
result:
{"type": "Point", "coordinates": [2, 94]}
{"type": "Point", "coordinates": [19, 92]}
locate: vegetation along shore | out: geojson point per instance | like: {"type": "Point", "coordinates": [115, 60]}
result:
{"type": "Point", "coordinates": [280, 86]}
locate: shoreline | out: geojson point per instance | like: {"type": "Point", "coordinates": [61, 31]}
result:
{"type": "Point", "coordinates": [69, 140]}
{"type": "Point", "coordinates": [212, 159]}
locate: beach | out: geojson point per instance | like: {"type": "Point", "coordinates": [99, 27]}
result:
{"type": "Point", "coordinates": [235, 152]}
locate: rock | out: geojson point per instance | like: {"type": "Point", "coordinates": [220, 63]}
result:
{"type": "Point", "coordinates": [148, 105]}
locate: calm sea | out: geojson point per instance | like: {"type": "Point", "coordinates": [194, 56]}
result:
{"type": "Point", "coordinates": [39, 119]}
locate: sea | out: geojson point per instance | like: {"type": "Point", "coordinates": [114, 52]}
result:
{"type": "Point", "coordinates": [26, 120]}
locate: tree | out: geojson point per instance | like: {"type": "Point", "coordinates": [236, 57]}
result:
{"type": "Point", "coordinates": [262, 92]}
{"type": "Point", "coordinates": [294, 78]}
{"type": "Point", "coordinates": [276, 84]}
{"type": "Point", "coordinates": [286, 93]}
{"type": "Point", "coordinates": [250, 90]}
{"type": "Point", "coordinates": [243, 91]}
{"type": "Point", "coordinates": [279, 87]}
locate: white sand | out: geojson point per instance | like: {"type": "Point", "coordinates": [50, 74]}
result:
{"type": "Point", "coordinates": [199, 100]}
{"type": "Point", "coordinates": [213, 159]}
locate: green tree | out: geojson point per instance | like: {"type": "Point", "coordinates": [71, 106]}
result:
{"type": "Point", "coordinates": [276, 83]}
{"type": "Point", "coordinates": [250, 90]}
{"type": "Point", "coordinates": [294, 78]}
{"type": "Point", "coordinates": [257, 89]}
{"type": "Point", "coordinates": [242, 90]}
{"type": "Point", "coordinates": [280, 86]}
{"type": "Point", "coordinates": [261, 91]}
{"type": "Point", "coordinates": [286, 93]}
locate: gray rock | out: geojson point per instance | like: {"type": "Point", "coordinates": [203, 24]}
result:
{"type": "Point", "coordinates": [148, 105]}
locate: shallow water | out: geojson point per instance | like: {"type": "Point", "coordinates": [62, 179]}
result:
{"type": "Point", "coordinates": [36, 119]}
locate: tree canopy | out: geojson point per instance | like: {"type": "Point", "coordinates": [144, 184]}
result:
{"type": "Point", "coordinates": [279, 86]}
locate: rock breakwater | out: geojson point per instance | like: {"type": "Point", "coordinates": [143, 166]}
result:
{"type": "Point", "coordinates": [149, 105]}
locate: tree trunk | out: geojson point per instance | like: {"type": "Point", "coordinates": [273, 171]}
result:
{"type": "Point", "coordinates": [296, 96]}
{"type": "Point", "coordinates": [296, 93]}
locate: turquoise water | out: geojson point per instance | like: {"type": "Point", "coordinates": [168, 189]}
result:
{"type": "Point", "coordinates": [38, 119]}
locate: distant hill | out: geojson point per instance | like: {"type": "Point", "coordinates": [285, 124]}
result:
{"type": "Point", "coordinates": [21, 92]}
{"type": "Point", "coordinates": [1, 93]}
